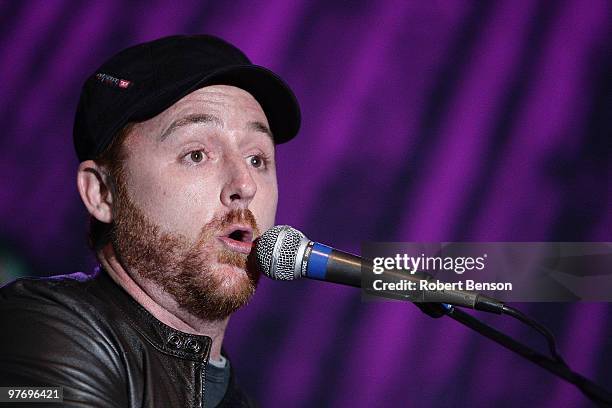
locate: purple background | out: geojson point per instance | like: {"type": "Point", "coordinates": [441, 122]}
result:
{"type": "Point", "coordinates": [422, 121]}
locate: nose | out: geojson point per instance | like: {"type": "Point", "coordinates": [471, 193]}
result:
{"type": "Point", "coordinates": [239, 187]}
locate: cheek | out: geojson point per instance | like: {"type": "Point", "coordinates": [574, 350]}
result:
{"type": "Point", "coordinates": [264, 205]}
{"type": "Point", "coordinates": [175, 201]}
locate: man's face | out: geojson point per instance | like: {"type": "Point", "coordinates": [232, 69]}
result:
{"type": "Point", "coordinates": [197, 186]}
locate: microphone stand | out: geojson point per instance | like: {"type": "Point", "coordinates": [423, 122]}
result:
{"type": "Point", "coordinates": [555, 365]}
{"type": "Point", "coordinates": [593, 391]}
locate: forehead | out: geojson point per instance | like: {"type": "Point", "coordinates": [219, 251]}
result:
{"type": "Point", "coordinates": [229, 107]}
{"type": "Point", "coordinates": [222, 100]}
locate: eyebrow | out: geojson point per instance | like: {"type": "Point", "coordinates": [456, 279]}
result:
{"type": "Point", "coordinates": [189, 120]}
{"type": "Point", "coordinates": [260, 127]}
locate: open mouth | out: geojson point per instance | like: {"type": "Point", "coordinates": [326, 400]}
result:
{"type": "Point", "coordinates": [238, 238]}
{"type": "Point", "coordinates": [241, 235]}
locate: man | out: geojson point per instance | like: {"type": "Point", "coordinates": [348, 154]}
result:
{"type": "Point", "coordinates": [176, 141]}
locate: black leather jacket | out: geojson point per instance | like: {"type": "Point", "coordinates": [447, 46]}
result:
{"type": "Point", "coordinates": [86, 334]}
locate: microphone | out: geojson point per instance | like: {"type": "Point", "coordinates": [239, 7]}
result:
{"type": "Point", "coordinates": [284, 253]}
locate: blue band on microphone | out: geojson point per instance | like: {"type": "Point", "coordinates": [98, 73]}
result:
{"type": "Point", "coordinates": [317, 261]}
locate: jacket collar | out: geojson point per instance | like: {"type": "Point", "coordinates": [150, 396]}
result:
{"type": "Point", "coordinates": [161, 336]}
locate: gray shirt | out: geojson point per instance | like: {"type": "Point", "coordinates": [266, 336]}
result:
{"type": "Point", "coordinates": [216, 381]}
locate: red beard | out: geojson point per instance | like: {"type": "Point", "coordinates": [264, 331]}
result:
{"type": "Point", "coordinates": [196, 274]}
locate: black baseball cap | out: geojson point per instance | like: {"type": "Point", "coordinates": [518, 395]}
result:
{"type": "Point", "coordinates": [142, 81]}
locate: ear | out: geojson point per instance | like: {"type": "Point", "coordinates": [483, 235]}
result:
{"type": "Point", "coordinates": [95, 190]}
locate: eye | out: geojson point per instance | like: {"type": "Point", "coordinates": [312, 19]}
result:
{"type": "Point", "coordinates": [256, 161]}
{"type": "Point", "coordinates": [196, 156]}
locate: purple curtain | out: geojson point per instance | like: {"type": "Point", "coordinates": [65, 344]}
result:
{"type": "Point", "coordinates": [422, 121]}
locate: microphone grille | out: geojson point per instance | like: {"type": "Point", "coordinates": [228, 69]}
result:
{"type": "Point", "coordinates": [277, 250]}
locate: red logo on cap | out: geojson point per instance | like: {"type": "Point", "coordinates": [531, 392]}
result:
{"type": "Point", "coordinates": [112, 81]}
